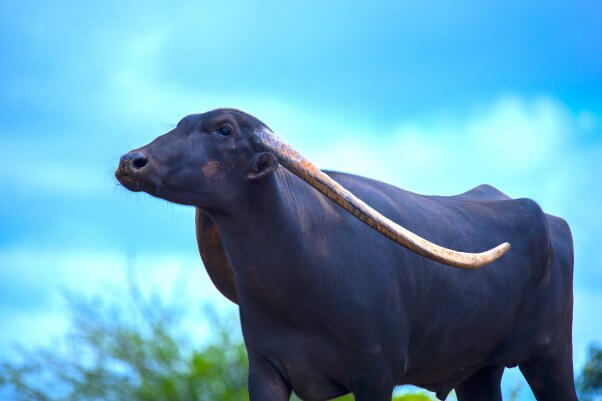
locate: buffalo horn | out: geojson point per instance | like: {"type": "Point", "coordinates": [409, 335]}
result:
{"type": "Point", "coordinates": [304, 169]}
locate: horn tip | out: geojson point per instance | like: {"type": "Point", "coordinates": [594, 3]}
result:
{"type": "Point", "coordinates": [493, 255]}
{"type": "Point", "coordinates": [499, 251]}
{"type": "Point", "coordinates": [504, 247]}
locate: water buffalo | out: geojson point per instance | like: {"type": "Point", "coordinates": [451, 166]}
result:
{"type": "Point", "coordinates": [339, 289]}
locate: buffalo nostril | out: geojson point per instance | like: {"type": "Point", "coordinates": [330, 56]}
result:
{"type": "Point", "coordinates": [139, 162]}
{"type": "Point", "coordinates": [133, 161]}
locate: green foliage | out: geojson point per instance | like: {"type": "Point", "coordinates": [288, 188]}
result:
{"type": "Point", "coordinates": [134, 348]}
{"type": "Point", "coordinates": [590, 380]}
{"type": "Point", "coordinates": [130, 349]}
{"type": "Point", "coordinates": [412, 397]}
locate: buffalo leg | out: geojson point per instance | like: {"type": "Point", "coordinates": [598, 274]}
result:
{"type": "Point", "coordinates": [265, 382]}
{"type": "Point", "coordinates": [483, 385]}
{"type": "Point", "coordinates": [550, 376]}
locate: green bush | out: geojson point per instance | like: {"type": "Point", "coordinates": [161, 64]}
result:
{"type": "Point", "coordinates": [135, 348]}
{"type": "Point", "coordinates": [589, 382]}
{"type": "Point", "coordinates": [130, 348]}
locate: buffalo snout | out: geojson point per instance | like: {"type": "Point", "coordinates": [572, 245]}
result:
{"type": "Point", "coordinates": [135, 172]}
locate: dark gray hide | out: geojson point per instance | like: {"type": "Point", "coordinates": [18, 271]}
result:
{"type": "Point", "coordinates": [329, 306]}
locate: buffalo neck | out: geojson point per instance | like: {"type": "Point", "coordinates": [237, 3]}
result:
{"type": "Point", "coordinates": [263, 234]}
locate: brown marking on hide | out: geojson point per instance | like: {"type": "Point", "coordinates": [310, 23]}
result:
{"type": "Point", "coordinates": [214, 256]}
{"type": "Point", "coordinates": [212, 237]}
{"type": "Point", "coordinates": [211, 169]}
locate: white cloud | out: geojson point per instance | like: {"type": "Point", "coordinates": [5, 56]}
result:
{"type": "Point", "coordinates": [508, 143]}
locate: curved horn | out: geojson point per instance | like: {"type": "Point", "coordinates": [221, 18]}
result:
{"type": "Point", "coordinates": [304, 169]}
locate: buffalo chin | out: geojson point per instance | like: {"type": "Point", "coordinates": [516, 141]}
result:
{"type": "Point", "coordinates": [132, 182]}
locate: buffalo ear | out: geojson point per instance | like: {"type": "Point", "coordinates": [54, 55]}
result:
{"type": "Point", "coordinates": [261, 165]}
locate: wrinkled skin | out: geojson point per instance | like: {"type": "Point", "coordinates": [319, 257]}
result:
{"type": "Point", "coordinates": [330, 306]}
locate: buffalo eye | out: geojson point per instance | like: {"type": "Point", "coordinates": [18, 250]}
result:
{"type": "Point", "coordinates": [224, 131]}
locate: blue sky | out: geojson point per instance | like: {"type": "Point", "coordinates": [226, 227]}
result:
{"type": "Point", "coordinates": [435, 99]}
